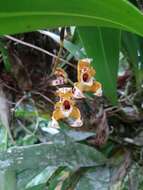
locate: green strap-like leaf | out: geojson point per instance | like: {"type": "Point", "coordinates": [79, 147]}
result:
{"type": "Point", "coordinates": [131, 45]}
{"type": "Point", "coordinates": [19, 16]}
{"type": "Point", "coordinates": [102, 45]}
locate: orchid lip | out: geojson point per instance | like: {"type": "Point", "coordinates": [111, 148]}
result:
{"type": "Point", "coordinates": [66, 105]}
{"type": "Point", "coordinates": [85, 77]}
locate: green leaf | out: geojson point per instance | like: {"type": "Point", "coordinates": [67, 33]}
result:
{"type": "Point", "coordinates": [4, 120]}
{"type": "Point", "coordinates": [57, 178]}
{"type": "Point", "coordinates": [28, 15]}
{"type": "Point", "coordinates": [79, 135]}
{"type": "Point", "coordinates": [3, 138]}
{"type": "Point", "coordinates": [131, 45]}
{"type": "Point", "coordinates": [71, 181]}
{"type": "Point", "coordinates": [42, 177]}
{"type": "Point", "coordinates": [26, 176]}
{"type": "Point", "coordinates": [38, 187]}
{"type": "Point", "coordinates": [102, 45]}
{"type": "Point", "coordinates": [66, 135]}
{"type": "Point", "coordinates": [72, 48]}
{"type": "Point", "coordinates": [29, 162]}
{"type": "Point", "coordinates": [5, 56]}
{"type": "Point", "coordinates": [43, 155]}
{"type": "Point", "coordinates": [95, 180]}
{"type": "Point", "coordinates": [7, 180]}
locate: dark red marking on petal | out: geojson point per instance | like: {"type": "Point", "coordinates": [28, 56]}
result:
{"type": "Point", "coordinates": [85, 77]}
{"type": "Point", "coordinates": [66, 105]}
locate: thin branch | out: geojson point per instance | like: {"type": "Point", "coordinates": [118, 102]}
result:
{"type": "Point", "coordinates": [38, 48]}
{"type": "Point", "coordinates": [24, 128]}
{"type": "Point", "coordinates": [71, 83]}
{"type": "Point", "coordinates": [7, 86]}
{"type": "Point", "coordinates": [45, 97]}
{"type": "Point", "coordinates": [20, 101]}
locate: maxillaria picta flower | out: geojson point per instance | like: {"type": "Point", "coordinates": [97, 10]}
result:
{"type": "Point", "coordinates": [86, 81]}
{"type": "Point", "coordinates": [61, 77]}
{"type": "Point", "coordinates": [66, 109]}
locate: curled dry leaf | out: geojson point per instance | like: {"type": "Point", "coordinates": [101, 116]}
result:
{"type": "Point", "coordinates": [102, 131]}
{"type": "Point", "coordinates": [120, 172]}
{"type": "Point", "coordinates": [94, 119]}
